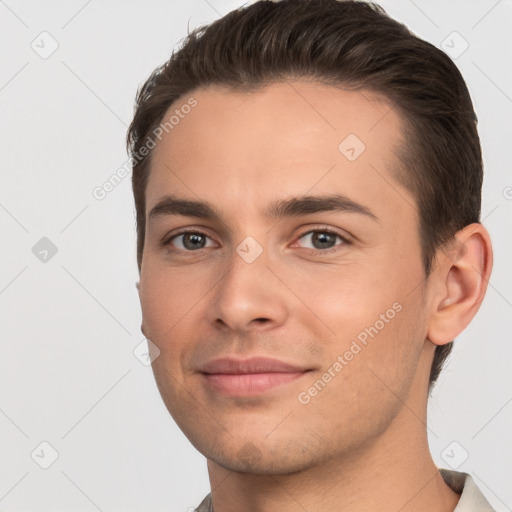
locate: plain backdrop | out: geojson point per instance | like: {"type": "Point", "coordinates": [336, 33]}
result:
{"type": "Point", "coordinates": [76, 395]}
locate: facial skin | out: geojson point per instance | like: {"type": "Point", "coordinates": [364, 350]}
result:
{"type": "Point", "coordinates": [359, 443]}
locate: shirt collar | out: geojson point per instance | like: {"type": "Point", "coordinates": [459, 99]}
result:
{"type": "Point", "coordinates": [471, 497]}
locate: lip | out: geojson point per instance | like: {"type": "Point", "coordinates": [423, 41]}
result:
{"type": "Point", "coordinates": [256, 364]}
{"type": "Point", "coordinates": [249, 377]}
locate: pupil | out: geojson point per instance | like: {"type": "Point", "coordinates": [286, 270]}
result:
{"type": "Point", "coordinates": [324, 240]}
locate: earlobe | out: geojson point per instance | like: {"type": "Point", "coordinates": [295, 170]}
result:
{"type": "Point", "coordinates": [463, 271]}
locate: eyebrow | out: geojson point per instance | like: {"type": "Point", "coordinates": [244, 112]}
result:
{"type": "Point", "coordinates": [294, 207]}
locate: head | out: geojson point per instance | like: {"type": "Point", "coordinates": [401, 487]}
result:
{"type": "Point", "coordinates": [274, 101]}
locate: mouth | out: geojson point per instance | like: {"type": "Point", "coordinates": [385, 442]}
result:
{"type": "Point", "coordinates": [250, 377]}
{"type": "Point", "coordinates": [248, 384]}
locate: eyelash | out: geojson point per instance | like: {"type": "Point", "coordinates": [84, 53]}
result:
{"type": "Point", "coordinates": [330, 231]}
{"type": "Point", "coordinates": [167, 242]}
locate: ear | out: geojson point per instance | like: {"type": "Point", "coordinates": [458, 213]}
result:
{"type": "Point", "coordinates": [459, 282]}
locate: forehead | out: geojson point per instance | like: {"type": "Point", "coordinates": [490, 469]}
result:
{"type": "Point", "coordinates": [286, 138]}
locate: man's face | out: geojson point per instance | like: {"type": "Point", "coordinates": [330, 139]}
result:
{"type": "Point", "coordinates": [337, 294]}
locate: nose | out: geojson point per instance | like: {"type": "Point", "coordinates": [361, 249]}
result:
{"type": "Point", "coordinates": [249, 296]}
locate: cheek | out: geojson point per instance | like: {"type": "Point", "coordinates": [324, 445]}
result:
{"type": "Point", "coordinates": [161, 314]}
{"type": "Point", "coordinates": [174, 304]}
{"type": "Point", "coordinates": [346, 298]}
{"type": "Point", "coordinates": [164, 304]}
{"type": "Point", "coordinates": [369, 317]}
{"type": "Point", "coordinates": [369, 365]}
{"type": "Point", "coordinates": [166, 297]}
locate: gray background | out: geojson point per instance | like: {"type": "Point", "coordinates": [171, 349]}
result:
{"type": "Point", "coordinates": [70, 321]}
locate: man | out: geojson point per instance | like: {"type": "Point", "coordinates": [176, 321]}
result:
{"type": "Point", "coordinates": [307, 180]}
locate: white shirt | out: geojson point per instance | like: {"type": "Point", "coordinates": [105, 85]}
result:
{"type": "Point", "coordinates": [471, 498]}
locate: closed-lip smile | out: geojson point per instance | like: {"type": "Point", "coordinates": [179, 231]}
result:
{"type": "Point", "coordinates": [249, 377]}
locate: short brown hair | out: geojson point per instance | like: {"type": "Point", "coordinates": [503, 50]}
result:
{"type": "Point", "coordinates": [344, 43]}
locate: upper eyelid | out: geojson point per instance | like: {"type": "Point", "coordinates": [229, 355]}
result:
{"type": "Point", "coordinates": [325, 229]}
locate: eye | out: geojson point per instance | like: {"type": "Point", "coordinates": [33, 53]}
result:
{"type": "Point", "coordinates": [322, 239]}
{"type": "Point", "coordinates": [188, 241]}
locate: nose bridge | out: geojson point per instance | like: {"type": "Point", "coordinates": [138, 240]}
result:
{"type": "Point", "coordinates": [248, 291]}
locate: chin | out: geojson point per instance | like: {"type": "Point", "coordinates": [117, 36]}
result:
{"type": "Point", "coordinates": [250, 460]}
{"type": "Point", "coordinates": [264, 456]}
